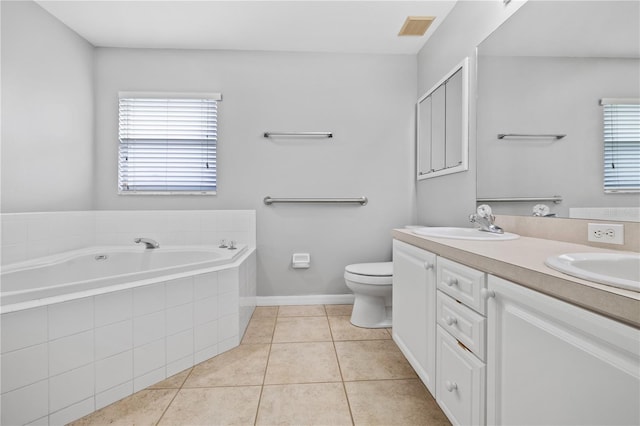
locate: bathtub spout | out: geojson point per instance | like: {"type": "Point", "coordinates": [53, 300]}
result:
{"type": "Point", "coordinates": [151, 244]}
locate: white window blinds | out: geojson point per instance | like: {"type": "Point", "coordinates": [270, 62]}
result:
{"type": "Point", "coordinates": [167, 143]}
{"type": "Point", "coordinates": [621, 145]}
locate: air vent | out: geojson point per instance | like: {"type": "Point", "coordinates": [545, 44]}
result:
{"type": "Point", "coordinates": [416, 25]}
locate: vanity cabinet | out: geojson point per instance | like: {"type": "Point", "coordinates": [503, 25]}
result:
{"type": "Point", "coordinates": [461, 326]}
{"type": "Point", "coordinates": [414, 308]}
{"type": "Point", "coordinates": [550, 362]}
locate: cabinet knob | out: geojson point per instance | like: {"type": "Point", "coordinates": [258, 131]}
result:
{"type": "Point", "coordinates": [450, 320]}
{"type": "Point", "coordinates": [451, 386]}
{"type": "Point", "coordinates": [486, 293]}
{"type": "Point", "coordinates": [451, 281]}
{"type": "Point", "coordinates": [428, 265]}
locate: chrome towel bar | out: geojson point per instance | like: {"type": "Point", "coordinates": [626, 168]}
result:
{"type": "Point", "coordinates": [305, 134]}
{"type": "Point", "coordinates": [529, 136]}
{"type": "Point", "coordinates": [360, 200]}
{"type": "Point", "coordinates": [556, 199]}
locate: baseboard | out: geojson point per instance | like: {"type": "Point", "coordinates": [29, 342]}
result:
{"type": "Point", "coordinates": [314, 299]}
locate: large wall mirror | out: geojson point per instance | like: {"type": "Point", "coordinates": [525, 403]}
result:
{"type": "Point", "coordinates": [541, 78]}
{"type": "Point", "coordinates": [443, 126]}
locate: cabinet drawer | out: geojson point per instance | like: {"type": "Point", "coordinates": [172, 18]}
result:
{"type": "Point", "coordinates": [460, 382]}
{"type": "Point", "coordinates": [462, 283]}
{"type": "Point", "coordinates": [467, 326]}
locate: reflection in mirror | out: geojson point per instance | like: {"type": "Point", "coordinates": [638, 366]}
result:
{"type": "Point", "coordinates": [442, 126]}
{"type": "Point", "coordinates": [545, 83]}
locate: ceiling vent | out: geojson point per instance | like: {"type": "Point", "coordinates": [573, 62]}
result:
{"type": "Point", "coordinates": [416, 25]}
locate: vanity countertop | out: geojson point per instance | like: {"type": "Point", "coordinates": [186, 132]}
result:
{"type": "Point", "coordinates": [522, 261]}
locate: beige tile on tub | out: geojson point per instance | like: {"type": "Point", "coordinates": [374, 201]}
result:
{"type": "Point", "coordinates": [372, 360]}
{"type": "Point", "coordinates": [259, 330]}
{"type": "Point", "coordinates": [141, 408]}
{"type": "Point", "coordinates": [214, 406]}
{"type": "Point", "coordinates": [342, 329]}
{"type": "Point", "coordinates": [310, 362]}
{"type": "Point", "coordinates": [302, 329]}
{"type": "Point", "coordinates": [302, 311]}
{"type": "Point", "coordinates": [304, 404]}
{"type": "Point", "coordinates": [393, 402]}
{"type": "Point", "coordinates": [241, 366]}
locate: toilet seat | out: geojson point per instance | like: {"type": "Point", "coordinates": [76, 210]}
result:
{"type": "Point", "coordinates": [379, 273]}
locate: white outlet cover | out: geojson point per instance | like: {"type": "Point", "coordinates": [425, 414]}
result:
{"type": "Point", "coordinates": [606, 229]}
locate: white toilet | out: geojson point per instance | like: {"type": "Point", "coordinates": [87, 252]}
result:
{"type": "Point", "coordinates": [371, 286]}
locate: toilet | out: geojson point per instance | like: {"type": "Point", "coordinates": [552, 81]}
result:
{"type": "Point", "coordinates": [371, 286]}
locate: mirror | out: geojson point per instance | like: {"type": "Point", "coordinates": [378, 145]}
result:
{"type": "Point", "coordinates": [541, 76]}
{"type": "Point", "coordinates": [442, 125]}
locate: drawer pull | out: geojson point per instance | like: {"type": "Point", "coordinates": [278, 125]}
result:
{"type": "Point", "coordinates": [451, 281]}
{"type": "Point", "coordinates": [451, 386]}
{"type": "Point", "coordinates": [486, 293]}
{"type": "Point", "coordinates": [450, 320]}
{"type": "Point", "coordinates": [428, 265]}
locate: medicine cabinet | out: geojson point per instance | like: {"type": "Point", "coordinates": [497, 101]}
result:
{"type": "Point", "coordinates": [442, 120]}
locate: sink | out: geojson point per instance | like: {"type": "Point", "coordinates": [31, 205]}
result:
{"type": "Point", "coordinates": [463, 233]}
{"type": "Point", "coordinates": [620, 270]}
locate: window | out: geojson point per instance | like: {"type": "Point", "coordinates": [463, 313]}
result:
{"type": "Point", "coordinates": [167, 143]}
{"type": "Point", "coordinates": [621, 145]}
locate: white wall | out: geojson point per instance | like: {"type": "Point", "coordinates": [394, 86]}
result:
{"type": "Point", "coordinates": [448, 200]}
{"type": "Point", "coordinates": [47, 112]}
{"type": "Point", "coordinates": [366, 100]}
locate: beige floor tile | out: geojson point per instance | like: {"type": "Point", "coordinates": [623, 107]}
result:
{"type": "Point", "coordinates": [302, 329]}
{"type": "Point", "coordinates": [265, 311]}
{"type": "Point", "coordinates": [214, 406]}
{"type": "Point", "coordinates": [342, 329]}
{"type": "Point", "coordinates": [141, 408]}
{"type": "Point", "coordinates": [302, 311]}
{"type": "Point", "coordinates": [259, 330]}
{"type": "Point", "coordinates": [338, 309]}
{"type": "Point", "coordinates": [241, 366]}
{"type": "Point", "coordinates": [311, 362]}
{"type": "Point", "coordinates": [304, 404]}
{"type": "Point", "coordinates": [174, 382]}
{"type": "Point", "coordinates": [393, 402]}
{"type": "Point", "coordinates": [372, 360]}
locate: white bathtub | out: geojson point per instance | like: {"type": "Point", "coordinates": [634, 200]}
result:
{"type": "Point", "coordinates": [100, 268]}
{"type": "Point", "coordinates": [88, 327]}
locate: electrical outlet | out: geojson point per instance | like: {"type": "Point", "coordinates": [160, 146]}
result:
{"type": "Point", "coordinates": [608, 233]}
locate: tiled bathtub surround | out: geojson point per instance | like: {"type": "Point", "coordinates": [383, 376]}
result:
{"type": "Point", "coordinates": [65, 360]}
{"type": "Point", "coordinates": [31, 235]}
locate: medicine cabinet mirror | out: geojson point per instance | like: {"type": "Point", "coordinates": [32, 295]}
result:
{"type": "Point", "coordinates": [442, 133]}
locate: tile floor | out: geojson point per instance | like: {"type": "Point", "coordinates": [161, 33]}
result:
{"type": "Point", "coordinates": [296, 365]}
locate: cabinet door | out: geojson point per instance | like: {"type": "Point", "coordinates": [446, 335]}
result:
{"type": "Point", "coordinates": [414, 308]}
{"type": "Point", "coordinates": [553, 363]}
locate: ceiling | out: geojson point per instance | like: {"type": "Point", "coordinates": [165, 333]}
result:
{"type": "Point", "coordinates": [294, 25]}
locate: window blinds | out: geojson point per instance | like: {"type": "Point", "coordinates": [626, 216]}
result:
{"type": "Point", "coordinates": [621, 145]}
{"type": "Point", "coordinates": [167, 144]}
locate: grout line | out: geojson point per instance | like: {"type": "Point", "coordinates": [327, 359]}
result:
{"type": "Point", "coordinates": [344, 387]}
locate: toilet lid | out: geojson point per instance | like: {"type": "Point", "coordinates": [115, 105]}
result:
{"type": "Point", "coordinates": [379, 269]}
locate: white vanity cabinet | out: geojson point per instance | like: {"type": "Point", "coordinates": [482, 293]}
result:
{"type": "Point", "coordinates": [553, 363]}
{"type": "Point", "coordinates": [414, 308]}
{"type": "Point", "coordinates": [460, 360]}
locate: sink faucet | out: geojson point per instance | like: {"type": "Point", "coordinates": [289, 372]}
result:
{"type": "Point", "coordinates": [151, 244]}
{"type": "Point", "coordinates": [484, 220]}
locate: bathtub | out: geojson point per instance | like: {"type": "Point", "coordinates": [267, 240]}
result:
{"type": "Point", "coordinates": [85, 328]}
{"type": "Point", "coordinates": [96, 270]}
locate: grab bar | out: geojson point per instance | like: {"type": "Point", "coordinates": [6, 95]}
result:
{"type": "Point", "coordinates": [529, 136]}
{"type": "Point", "coordinates": [361, 200]}
{"type": "Point", "coordinates": [556, 199]}
{"type": "Point", "coordinates": [312, 134]}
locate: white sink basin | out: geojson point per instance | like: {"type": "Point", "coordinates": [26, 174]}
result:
{"type": "Point", "coordinates": [617, 270]}
{"type": "Point", "coordinates": [463, 234]}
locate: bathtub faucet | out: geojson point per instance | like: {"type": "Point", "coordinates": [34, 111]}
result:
{"type": "Point", "coordinates": [151, 244]}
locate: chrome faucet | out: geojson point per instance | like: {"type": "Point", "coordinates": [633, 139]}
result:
{"type": "Point", "coordinates": [151, 244]}
{"type": "Point", "coordinates": [484, 220]}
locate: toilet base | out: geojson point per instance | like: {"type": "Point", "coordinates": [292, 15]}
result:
{"type": "Point", "coordinates": [370, 312]}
